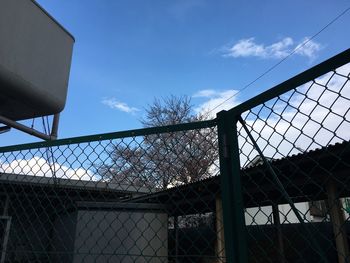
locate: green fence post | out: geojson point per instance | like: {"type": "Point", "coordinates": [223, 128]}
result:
{"type": "Point", "coordinates": [231, 189]}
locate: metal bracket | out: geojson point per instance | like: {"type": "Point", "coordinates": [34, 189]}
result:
{"type": "Point", "coordinates": [14, 124]}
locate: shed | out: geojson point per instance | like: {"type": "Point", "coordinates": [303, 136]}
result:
{"type": "Point", "coordinates": [45, 219]}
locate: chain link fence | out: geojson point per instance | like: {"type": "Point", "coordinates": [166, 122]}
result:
{"type": "Point", "coordinates": [294, 159]}
{"type": "Point", "coordinates": [112, 198]}
{"type": "Point", "coordinates": [267, 181]}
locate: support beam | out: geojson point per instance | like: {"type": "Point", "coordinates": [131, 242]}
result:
{"type": "Point", "coordinates": [236, 245]}
{"type": "Point", "coordinates": [338, 222]}
{"type": "Point", "coordinates": [176, 229]}
{"type": "Point", "coordinates": [6, 223]}
{"type": "Point", "coordinates": [54, 128]}
{"type": "Point", "coordinates": [285, 194]}
{"type": "Point", "coordinates": [277, 223]}
{"type": "Point", "coordinates": [220, 238]}
{"type": "Point", "coordinates": [4, 129]}
{"type": "Point", "coordinates": [24, 128]}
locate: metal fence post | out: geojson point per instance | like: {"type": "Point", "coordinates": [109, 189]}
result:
{"type": "Point", "coordinates": [231, 190]}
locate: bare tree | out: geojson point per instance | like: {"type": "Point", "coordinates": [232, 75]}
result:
{"type": "Point", "coordinates": [164, 159]}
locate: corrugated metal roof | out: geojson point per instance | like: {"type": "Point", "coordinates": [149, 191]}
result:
{"type": "Point", "coordinates": [308, 172]}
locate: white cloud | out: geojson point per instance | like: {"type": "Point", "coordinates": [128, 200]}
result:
{"type": "Point", "coordinates": [249, 48]}
{"type": "Point", "coordinates": [204, 93]}
{"type": "Point", "coordinates": [279, 49]}
{"type": "Point", "coordinates": [309, 49]}
{"type": "Point", "coordinates": [115, 104]}
{"type": "Point", "coordinates": [38, 166]}
{"type": "Point", "coordinates": [246, 48]}
{"type": "Point", "coordinates": [316, 120]}
{"type": "Point", "coordinates": [216, 101]}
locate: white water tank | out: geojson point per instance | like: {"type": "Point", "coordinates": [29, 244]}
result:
{"type": "Point", "coordinates": [35, 59]}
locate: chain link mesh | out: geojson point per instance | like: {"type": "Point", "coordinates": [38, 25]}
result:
{"type": "Point", "coordinates": [303, 136]}
{"type": "Point", "coordinates": [155, 195]}
{"type": "Point", "coordinates": [117, 200]}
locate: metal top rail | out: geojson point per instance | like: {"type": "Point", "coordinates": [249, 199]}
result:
{"type": "Point", "coordinates": [112, 135]}
{"type": "Point", "coordinates": [300, 79]}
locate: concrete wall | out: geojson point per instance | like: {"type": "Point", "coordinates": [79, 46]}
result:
{"type": "Point", "coordinates": [121, 236]}
{"type": "Point", "coordinates": [63, 237]}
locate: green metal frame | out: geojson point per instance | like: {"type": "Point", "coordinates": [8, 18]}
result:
{"type": "Point", "coordinates": [112, 135]}
{"type": "Point", "coordinates": [233, 208]}
{"type": "Point", "coordinates": [308, 75]}
{"type": "Point", "coordinates": [284, 192]}
{"type": "Point", "coordinates": [296, 81]}
{"type": "Point", "coordinates": [231, 190]}
{"type": "Point", "coordinates": [229, 155]}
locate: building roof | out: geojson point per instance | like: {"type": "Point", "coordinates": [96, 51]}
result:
{"type": "Point", "coordinates": [70, 184]}
{"type": "Point", "coordinates": [303, 175]}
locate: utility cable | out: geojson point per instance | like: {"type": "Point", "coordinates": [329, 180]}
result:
{"type": "Point", "coordinates": [283, 59]}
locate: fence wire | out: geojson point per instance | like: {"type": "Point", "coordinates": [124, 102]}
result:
{"type": "Point", "coordinates": [302, 138]}
{"type": "Point", "coordinates": [116, 200]}
{"type": "Point", "coordinates": [267, 181]}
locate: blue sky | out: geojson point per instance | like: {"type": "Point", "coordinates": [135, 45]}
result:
{"type": "Point", "coordinates": [129, 52]}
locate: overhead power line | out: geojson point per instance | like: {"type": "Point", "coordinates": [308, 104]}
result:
{"type": "Point", "coordinates": [283, 59]}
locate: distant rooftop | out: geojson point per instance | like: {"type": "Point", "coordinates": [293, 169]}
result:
{"type": "Point", "coordinates": [71, 184]}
